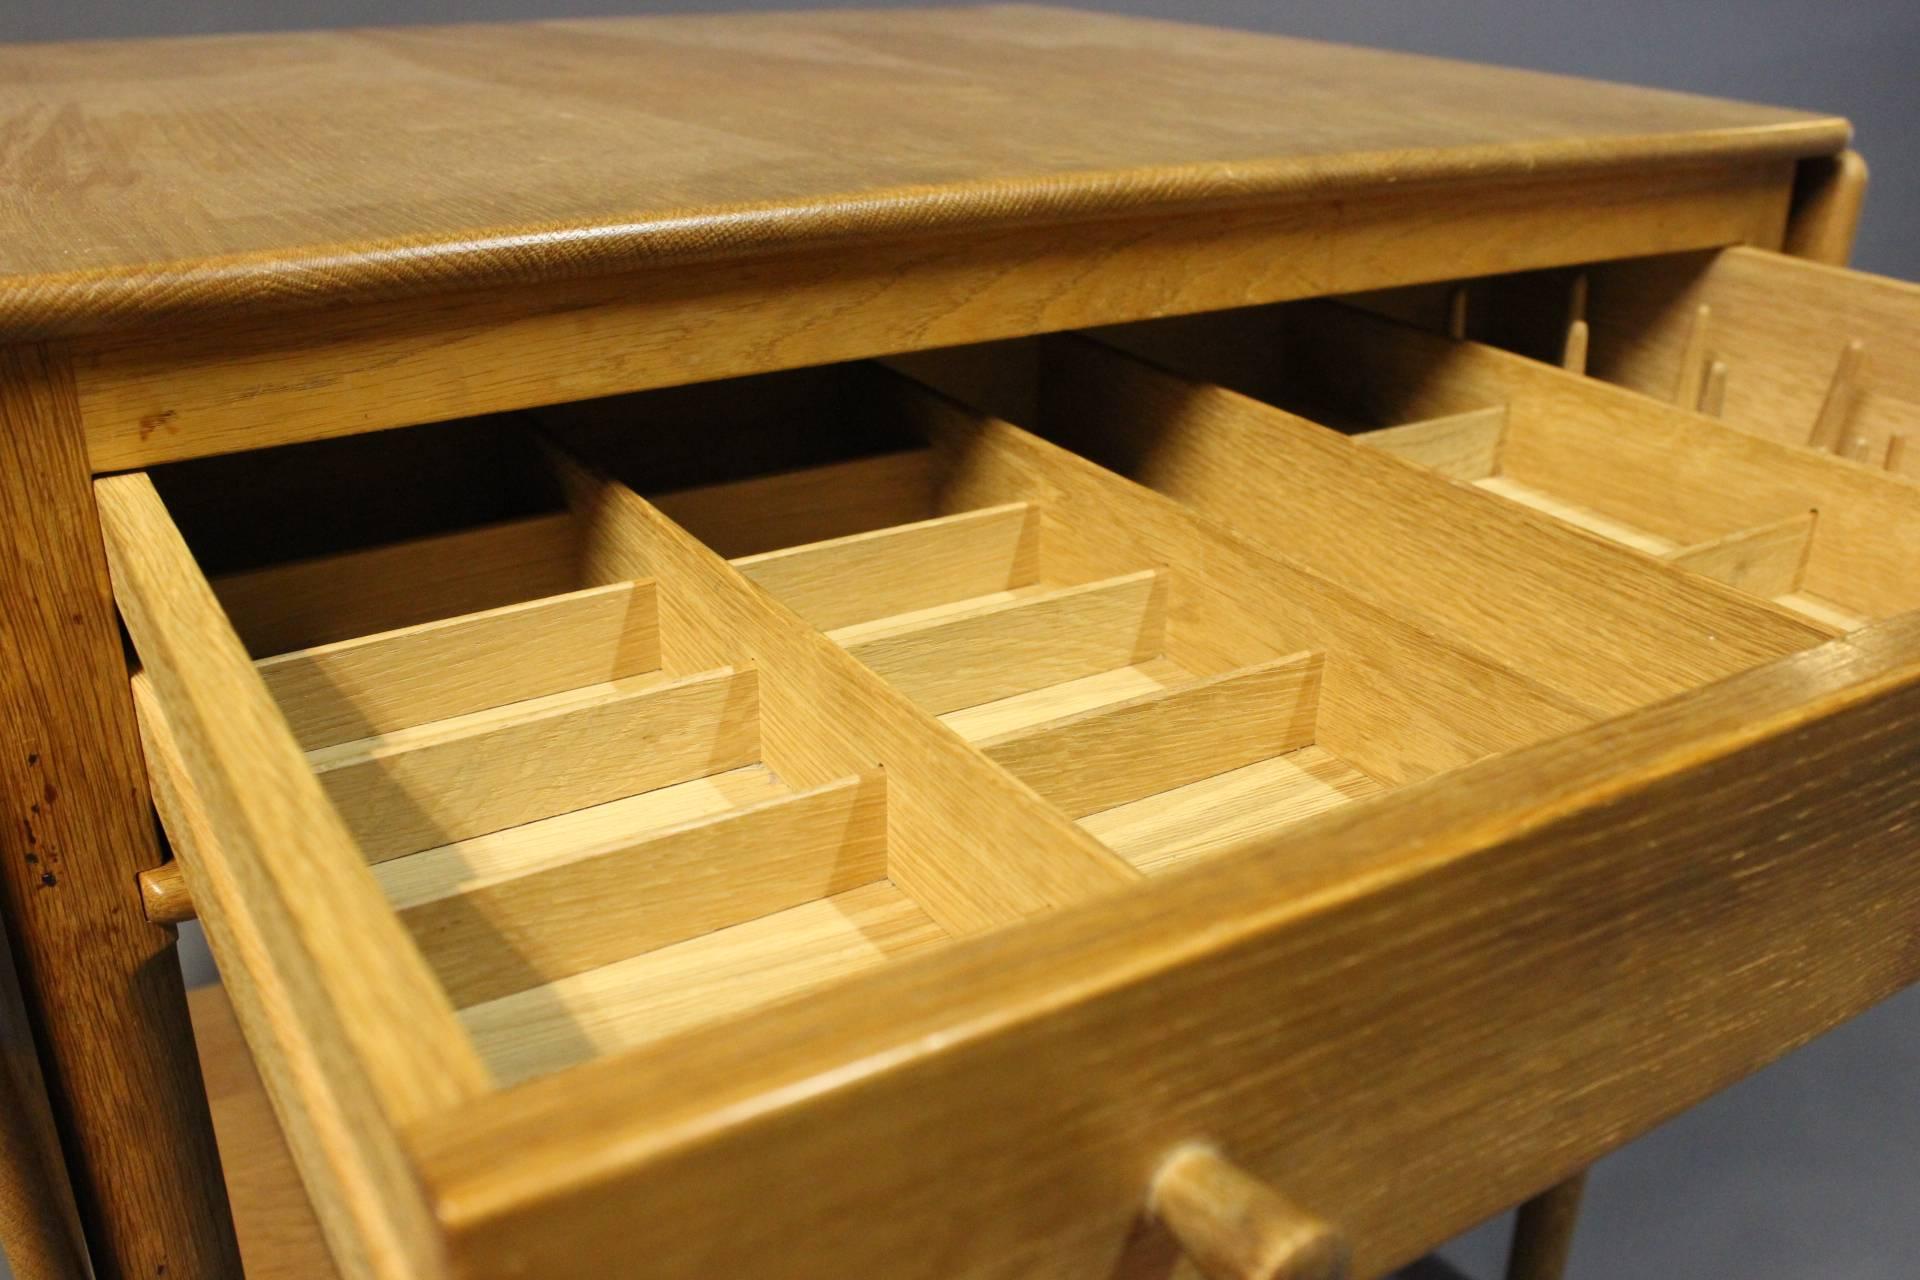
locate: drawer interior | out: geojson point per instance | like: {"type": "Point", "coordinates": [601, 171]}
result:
{"type": "Point", "coordinates": [1832, 544]}
{"type": "Point", "coordinates": [599, 825]}
{"type": "Point", "coordinates": [601, 821]}
{"type": "Point", "coordinates": [635, 716]}
{"type": "Point", "coordinates": [1792, 351]}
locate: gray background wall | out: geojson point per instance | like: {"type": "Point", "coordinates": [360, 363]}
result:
{"type": "Point", "coordinates": [1811, 1168]}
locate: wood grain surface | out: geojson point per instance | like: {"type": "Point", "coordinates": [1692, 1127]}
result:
{"type": "Point", "coordinates": [266, 171]}
{"type": "Point", "coordinates": [101, 985]}
{"type": "Point", "coordinates": [1478, 983]}
{"type": "Point", "coordinates": [279, 1236]}
{"type": "Point", "coordinates": [349, 1051]}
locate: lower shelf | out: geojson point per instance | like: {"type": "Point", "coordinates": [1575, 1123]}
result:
{"type": "Point", "coordinates": [279, 1236]}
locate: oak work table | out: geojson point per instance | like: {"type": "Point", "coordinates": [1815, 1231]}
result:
{"type": "Point", "coordinates": [957, 643]}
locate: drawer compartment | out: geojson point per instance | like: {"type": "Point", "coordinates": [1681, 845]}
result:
{"type": "Point", "coordinates": [632, 827]}
{"type": "Point", "coordinates": [1792, 351]}
{"type": "Point", "coordinates": [1830, 544]}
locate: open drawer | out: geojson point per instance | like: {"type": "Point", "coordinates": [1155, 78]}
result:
{"type": "Point", "coordinates": [879, 853]}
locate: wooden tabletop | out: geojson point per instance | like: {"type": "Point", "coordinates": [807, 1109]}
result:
{"type": "Point", "coordinates": [160, 177]}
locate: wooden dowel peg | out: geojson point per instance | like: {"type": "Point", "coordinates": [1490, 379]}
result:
{"type": "Point", "coordinates": [1457, 313]}
{"type": "Point", "coordinates": [1573, 355]}
{"type": "Point", "coordinates": [1896, 452]}
{"type": "Point", "coordinates": [165, 896]}
{"type": "Point", "coordinates": [1713, 395]}
{"type": "Point", "coordinates": [1543, 1232]}
{"type": "Point", "coordinates": [1233, 1226]}
{"type": "Point", "coordinates": [1859, 448]}
{"type": "Point", "coordinates": [1693, 359]}
{"type": "Point", "coordinates": [1831, 425]}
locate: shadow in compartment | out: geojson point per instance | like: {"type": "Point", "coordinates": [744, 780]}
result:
{"type": "Point", "coordinates": [593, 837]}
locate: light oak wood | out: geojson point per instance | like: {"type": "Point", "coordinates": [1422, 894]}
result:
{"type": "Point", "coordinates": [491, 937]}
{"type": "Point", "coordinates": [704, 980]}
{"type": "Point", "coordinates": [1398, 700]}
{"type": "Point", "coordinates": [1580, 517]}
{"type": "Point", "coordinates": [972, 846]}
{"type": "Point", "coordinates": [337, 598]}
{"type": "Point", "coordinates": [1057, 701]}
{"type": "Point", "coordinates": [526, 850]}
{"type": "Point", "coordinates": [1693, 358]}
{"type": "Point", "coordinates": [1573, 354]}
{"type": "Point", "coordinates": [771, 512]}
{"type": "Point", "coordinates": [418, 788]}
{"type": "Point", "coordinates": [268, 240]}
{"type": "Point", "coordinates": [1203, 818]}
{"type": "Point", "coordinates": [1366, 518]}
{"type": "Point", "coordinates": [1767, 560]}
{"type": "Point", "coordinates": [1657, 470]}
{"type": "Point", "coordinates": [972, 652]}
{"type": "Point", "coordinates": [437, 670]}
{"type": "Point", "coordinates": [1287, 965]}
{"type": "Point", "coordinates": [910, 566]}
{"type": "Point", "coordinates": [279, 1236]}
{"type": "Point", "coordinates": [1713, 393]}
{"type": "Point", "coordinates": [1465, 446]}
{"type": "Point", "coordinates": [1783, 326]}
{"type": "Point", "coordinates": [1233, 1226]}
{"type": "Point", "coordinates": [1830, 427]}
{"type": "Point", "coordinates": [529, 850]}
{"type": "Point", "coordinates": [100, 986]}
{"type": "Point", "coordinates": [292, 912]}
{"type": "Point", "coordinates": [1122, 752]}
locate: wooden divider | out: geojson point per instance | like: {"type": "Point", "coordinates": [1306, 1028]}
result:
{"type": "Point", "coordinates": [356, 593]}
{"type": "Point", "coordinates": [352, 1050]}
{"type": "Point", "coordinates": [1593, 621]}
{"type": "Point", "coordinates": [397, 679]}
{"type": "Point", "coordinates": [842, 581]}
{"type": "Point", "coordinates": [1676, 474]}
{"type": "Point", "coordinates": [1461, 446]}
{"type": "Point", "coordinates": [974, 847]}
{"type": "Point", "coordinates": [1111, 755]}
{"type": "Point", "coordinates": [417, 788]}
{"type": "Point", "coordinates": [1767, 559]}
{"type": "Point", "coordinates": [1398, 700]}
{"type": "Point", "coordinates": [490, 936]}
{"type": "Point", "coordinates": [968, 653]}
{"type": "Point", "coordinates": [788, 508]}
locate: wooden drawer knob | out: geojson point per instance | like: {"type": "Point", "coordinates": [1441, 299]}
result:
{"type": "Point", "coordinates": [1235, 1227]}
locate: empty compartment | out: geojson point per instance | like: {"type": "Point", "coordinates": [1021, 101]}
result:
{"type": "Point", "coordinates": [1599, 624]}
{"type": "Point", "coordinates": [1168, 686]}
{"type": "Point", "coordinates": [1831, 542]}
{"type": "Point", "coordinates": [595, 831]}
